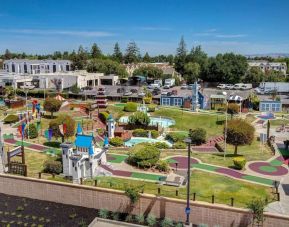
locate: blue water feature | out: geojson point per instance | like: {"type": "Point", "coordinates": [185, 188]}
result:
{"type": "Point", "coordinates": [161, 121]}
{"type": "Point", "coordinates": [136, 140]}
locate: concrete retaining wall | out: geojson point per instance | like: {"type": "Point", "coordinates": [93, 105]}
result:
{"type": "Point", "coordinates": [114, 200]}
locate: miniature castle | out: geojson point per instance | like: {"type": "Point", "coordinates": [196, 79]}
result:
{"type": "Point", "coordinates": [81, 159]}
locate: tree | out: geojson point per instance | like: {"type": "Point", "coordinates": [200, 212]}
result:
{"type": "Point", "coordinates": [239, 132]}
{"type": "Point", "coordinates": [107, 67]}
{"type": "Point", "coordinates": [63, 119]}
{"type": "Point", "coordinates": [79, 59]}
{"type": "Point", "coordinates": [95, 51]}
{"type": "Point", "coordinates": [273, 76]}
{"type": "Point", "coordinates": [191, 72]}
{"type": "Point", "coordinates": [139, 118]}
{"type": "Point", "coordinates": [198, 136]}
{"type": "Point", "coordinates": [52, 105]}
{"type": "Point", "coordinates": [229, 68]}
{"type": "Point", "coordinates": [180, 59]}
{"type": "Point", "coordinates": [117, 54]}
{"type": "Point", "coordinates": [146, 57]}
{"type": "Point", "coordinates": [149, 71]}
{"type": "Point", "coordinates": [232, 109]}
{"type": "Point", "coordinates": [7, 55]}
{"type": "Point", "coordinates": [144, 156]}
{"type": "Point", "coordinates": [254, 75]}
{"type": "Point", "coordinates": [197, 55]}
{"type": "Point", "coordinates": [132, 53]}
{"type": "Point", "coordinates": [33, 133]}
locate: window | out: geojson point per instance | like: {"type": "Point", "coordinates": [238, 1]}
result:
{"type": "Point", "coordinates": [67, 67]}
{"type": "Point", "coordinates": [263, 106]}
{"type": "Point", "coordinates": [25, 68]}
{"type": "Point", "coordinates": [54, 68]}
{"type": "Point", "coordinates": [13, 67]}
{"type": "Point", "coordinates": [166, 101]}
{"type": "Point", "coordinates": [177, 101]}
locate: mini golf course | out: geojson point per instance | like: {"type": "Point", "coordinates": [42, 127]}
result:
{"type": "Point", "coordinates": [180, 162]}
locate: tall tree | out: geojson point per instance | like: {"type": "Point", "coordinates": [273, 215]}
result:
{"type": "Point", "coordinates": [79, 59]}
{"type": "Point", "coordinates": [191, 72]}
{"type": "Point", "coordinates": [7, 55]}
{"type": "Point", "coordinates": [146, 57]}
{"type": "Point", "coordinates": [239, 132]}
{"type": "Point", "coordinates": [254, 75]}
{"type": "Point", "coordinates": [95, 51]}
{"type": "Point", "coordinates": [197, 55]}
{"type": "Point", "coordinates": [132, 53]}
{"type": "Point", "coordinates": [117, 54]}
{"type": "Point", "coordinates": [180, 59]}
{"type": "Point", "coordinates": [149, 71]}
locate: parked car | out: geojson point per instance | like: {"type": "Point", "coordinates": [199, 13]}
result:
{"type": "Point", "coordinates": [221, 86]}
{"type": "Point", "coordinates": [229, 86]}
{"type": "Point", "coordinates": [128, 93]}
{"type": "Point", "coordinates": [152, 86]}
{"type": "Point", "coordinates": [26, 86]}
{"type": "Point", "coordinates": [164, 92]}
{"type": "Point", "coordinates": [141, 94]}
{"type": "Point", "coordinates": [133, 90]}
{"type": "Point", "coordinates": [238, 86]}
{"type": "Point", "coordinates": [156, 92]}
{"type": "Point", "coordinates": [184, 86]}
{"type": "Point", "coordinates": [174, 92]}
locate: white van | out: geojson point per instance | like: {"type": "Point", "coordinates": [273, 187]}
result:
{"type": "Point", "coordinates": [238, 86]}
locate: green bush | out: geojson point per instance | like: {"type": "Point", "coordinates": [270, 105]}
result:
{"type": "Point", "coordinates": [198, 136]}
{"type": "Point", "coordinates": [103, 116]}
{"type": "Point", "coordinates": [33, 133]}
{"type": "Point", "coordinates": [151, 108]}
{"type": "Point", "coordinates": [124, 100]}
{"type": "Point", "coordinates": [144, 133]}
{"type": "Point", "coordinates": [116, 216]}
{"type": "Point", "coordinates": [147, 100]}
{"type": "Point", "coordinates": [176, 137]}
{"type": "Point", "coordinates": [180, 145]}
{"type": "Point", "coordinates": [116, 142]}
{"type": "Point", "coordinates": [103, 213]}
{"type": "Point", "coordinates": [162, 165]}
{"type": "Point", "coordinates": [132, 192]}
{"type": "Point", "coordinates": [161, 145]}
{"type": "Point", "coordinates": [140, 219]}
{"type": "Point", "coordinates": [167, 222]}
{"type": "Point", "coordinates": [130, 107]}
{"type": "Point", "coordinates": [154, 133]}
{"type": "Point", "coordinates": [239, 162]}
{"type": "Point", "coordinates": [55, 144]}
{"type": "Point", "coordinates": [11, 119]}
{"type": "Point", "coordinates": [51, 166]}
{"type": "Point", "coordinates": [63, 119]}
{"type": "Point", "coordinates": [151, 220]}
{"type": "Point", "coordinates": [144, 155]}
{"type": "Point", "coordinates": [139, 119]}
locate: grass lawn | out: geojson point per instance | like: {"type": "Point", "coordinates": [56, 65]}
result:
{"type": "Point", "coordinates": [116, 111]}
{"type": "Point", "coordinates": [202, 183]}
{"type": "Point", "coordinates": [279, 122]}
{"type": "Point", "coordinates": [117, 158]}
{"type": "Point", "coordinates": [188, 120]}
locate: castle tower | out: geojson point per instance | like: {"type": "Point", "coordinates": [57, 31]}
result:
{"type": "Point", "coordinates": [195, 97]}
{"type": "Point", "coordinates": [67, 150]}
{"type": "Point", "coordinates": [110, 126]}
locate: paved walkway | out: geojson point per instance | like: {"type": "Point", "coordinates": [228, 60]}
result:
{"type": "Point", "coordinates": [182, 163]}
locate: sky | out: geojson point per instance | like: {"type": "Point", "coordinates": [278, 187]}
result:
{"type": "Point", "coordinates": [219, 26]}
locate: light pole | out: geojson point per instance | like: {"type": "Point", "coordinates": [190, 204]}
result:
{"type": "Point", "coordinates": [226, 126]}
{"type": "Point", "coordinates": [188, 209]}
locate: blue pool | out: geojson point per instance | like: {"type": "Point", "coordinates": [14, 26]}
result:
{"type": "Point", "coordinates": [136, 140]}
{"type": "Point", "coordinates": [162, 121]}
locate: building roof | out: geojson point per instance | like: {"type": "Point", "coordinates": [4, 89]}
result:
{"type": "Point", "coordinates": [36, 61]}
{"type": "Point", "coordinates": [84, 141]}
{"type": "Point", "coordinates": [218, 97]}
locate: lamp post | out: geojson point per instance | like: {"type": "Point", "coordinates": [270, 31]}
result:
{"type": "Point", "coordinates": [188, 210]}
{"type": "Point", "coordinates": [226, 127]}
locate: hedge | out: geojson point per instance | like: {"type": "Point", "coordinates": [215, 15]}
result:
{"type": "Point", "coordinates": [116, 142]}
{"type": "Point", "coordinates": [239, 162]}
{"type": "Point", "coordinates": [144, 133]}
{"type": "Point", "coordinates": [103, 116]}
{"type": "Point", "coordinates": [12, 118]}
{"type": "Point", "coordinates": [176, 137]}
{"type": "Point", "coordinates": [51, 166]}
{"type": "Point", "coordinates": [151, 108]}
{"type": "Point", "coordinates": [179, 145]}
{"type": "Point", "coordinates": [55, 144]}
{"type": "Point", "coordinates": [161, 145]}
{"type": "Point", "coordinates": [130, 107]}
{"type": "Point", "coordinates": [33, 133]}
{"type": "Point", "coordinates": [162, 165]}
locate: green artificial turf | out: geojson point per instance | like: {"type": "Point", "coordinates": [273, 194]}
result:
{"type": "Point", "coordinates": [258, 179]}
{"type": "Point", "coordinates": [204, 167]}
{"type": "Point", "coordinates": [146, 176]}
{"type": "Point", "coordinates": [117, 158]}
{"type": "Point", "coordinates": [276, 162]}
{"type": "Point", "coordinates": [268, 169]}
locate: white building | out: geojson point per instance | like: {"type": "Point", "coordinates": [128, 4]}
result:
{"type": "Point", "coordinates": [24, 66]}
{"type": "Point", "coordinates": [265, 66]}
{"type": "Point", "coordinates": [83, 160]}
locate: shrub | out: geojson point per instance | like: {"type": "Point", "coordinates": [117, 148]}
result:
{"type": "Point", "coordinates": [257, 207]}
{"type": "Point", "coordinates": [124, 100]}
{"type": "Point", "coordinates": [51, 166]}
{"type": "Point", "coordinates": [167, 222]}
{"type": "Point", "coordinates": [151, 220]}
{"type": "Point", "coordinates": [161, 145]}
{"type": "Point", "coordinates": [154, 133]}
{"type": "Point", "coordinates": [198, 136]}
{"type": "Point", "coordinates": [103, 116]}
{"type": "Point", "coordinates": [139, 118]}
{"type": "Point", "coordinates": [130, 107]}
{"type": "Point", "coordinates": [140, 132]}
{"type": "Point", "coordinates": [116, 216]}
{"type": "Point", "coordinates": [176, 137]}
{"type": "Point", "coordinates": [180, 145]}
{"type": "Point", "coordinates": [129, 218]}
{"type": "Point", "coordinates": [140, 219]}
{"type": "Point", "coordinates": [55, 144]}
{"type": "Point", "coordinates": [116, 142]}
{"type": "Point", "coordinates": [151, 108]}
{"type": "Point", "coordinates": [33, 133]}
{"type": "Point", "coordinates": [162, 165]}
{"type": "Point", "coordinates": [52, 105]}
{"type": "Point", "coordinates": [11, 119]}
{"type": "Point", "coordinates": [144, 155]}
{"type": "Point", "coordinates": [63, 119]}
{"type": "Point", "coordinates": [239, 162]}
{"type": "Point", "coordinates": [103, 213]}
{"type": "Point", "coordinates": [147, 100]}
{"type": "Point", "coordinates": [132, 192]}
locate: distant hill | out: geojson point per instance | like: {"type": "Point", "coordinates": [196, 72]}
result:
{"type": "Point", "coordinates": [271, 55]}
